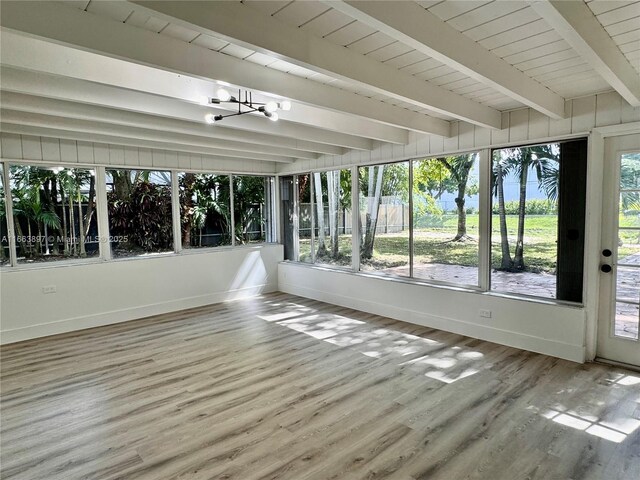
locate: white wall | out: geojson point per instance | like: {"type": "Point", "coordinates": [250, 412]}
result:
{"type": "Point", "coordinates": [562, 331]}
{"type": "Point", "coordinates": [101, 293]}
{"type": "Point", "coordinates": [540, 327]}
{"type": "Point", "coordinates": [63, 151]}
{"type": "Point", "coordinates": [518, 126]}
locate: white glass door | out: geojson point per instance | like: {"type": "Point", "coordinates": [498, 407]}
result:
{"type": "Point", "coordinates": [619, 315]}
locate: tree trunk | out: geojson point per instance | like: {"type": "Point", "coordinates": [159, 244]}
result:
{"type": "Point", "coordinates": [459, 168]}
{"type": "Point", "coordinates": [373, 205]}
{"type": "Point", "coordinates": [333, 189]}
{"type": "Point", "coordinates": [20, 236]}
{"type": "Point", "coordinates": [188, 182]}
{"type": "Point", "coordinates": [518, 258]}
{"type": "Point", "coordinates": [91, 202]}
{"type": "Point", "coordinates": [54, 198]}
{"type": "Point", "coordinates": [39, 243]}
{"type": "Point", "coordinates": [72, 226]}
{"type": "Point", "coordinates": [320, 214]}
{"type": "Point", "coordinates": [462, 213]}
{"type": "Point", "coordinates": [507, 262]}
{"type": "Point", "coordinates": [122, 185]}
{"type": "Point", "coordinates": [49, 205]}
{"type": "Point", "coordinates": [30, 242]}
{"type": "Point", "coordinates": [83, 250]}
{"type": "Point", "coordinates": [65, 226]}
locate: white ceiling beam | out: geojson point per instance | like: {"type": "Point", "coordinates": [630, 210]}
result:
{"type": "Point", "coordinates": [576, 23]}
{"type": "Point", "coordinates": [120, 141]}
{"type": "Point", "coordinates": [85, 31]}
{"type": "Point", "coordinates": [249, 27]}
{"type": "Point", "coordinates": [215, 147]}
{"type": "Point", "coordinates": [62, 108]}
{"type": "Point", "coordinates": [33, 54]}
{"type": "Point", "coordinates": [76, 114]}
{"type": "Point", "coordinates": [82, 92]}
{"type": "Point", "coordinates": [413, 25]}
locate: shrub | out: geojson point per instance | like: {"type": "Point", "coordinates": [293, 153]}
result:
{"type": "Point", "coordinates": [144, 218]}
{"type": "Point", "coordinates": [532, 207]}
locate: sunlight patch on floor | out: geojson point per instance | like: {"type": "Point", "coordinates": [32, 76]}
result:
{"type": "Point", "coordinates": [615, 429]}
{"type": "Point", "coordinates": [448, 365]}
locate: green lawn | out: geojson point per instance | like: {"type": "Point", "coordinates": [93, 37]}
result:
{"type": "Point", "coordinates": [432, 243]}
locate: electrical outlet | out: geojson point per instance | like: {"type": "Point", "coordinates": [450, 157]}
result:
{"type": "Point", "coordinates": [49, 289]}
{"type": "Point", "coordinates": [485, 313]}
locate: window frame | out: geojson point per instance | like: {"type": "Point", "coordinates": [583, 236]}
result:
{"type": "Point", "coordinates": [13, 264]}
{"type": "Point", "coordinates": [102, 216]}
{"type": "Point", "coordinates": [354, 230]}
{"type": "Point", "coordinates": [484, 226]}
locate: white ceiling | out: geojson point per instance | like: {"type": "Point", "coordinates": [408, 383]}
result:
{"type": "Point", "coordinates": [510, 30]}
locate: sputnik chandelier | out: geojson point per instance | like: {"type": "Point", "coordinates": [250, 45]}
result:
{"type": "Point", "coordinates": [246, 105]}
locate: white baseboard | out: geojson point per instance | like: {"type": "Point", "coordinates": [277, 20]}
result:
{"type": "Point", "coordinates": [127, 314]}
{"type": "Point", "coordinates": [575, 353]}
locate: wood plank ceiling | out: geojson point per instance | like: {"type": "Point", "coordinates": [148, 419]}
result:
{"type": "Point", "coordinates": [511, 30]}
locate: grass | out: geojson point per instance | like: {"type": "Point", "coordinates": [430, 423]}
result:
{"type": "Point", "coordinates": [432, 243]}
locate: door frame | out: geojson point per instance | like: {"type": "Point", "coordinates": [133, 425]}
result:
{"type": "Point", "coordinates": [593, 247]}
{"type": "Point", "coordinates": [611, 348]}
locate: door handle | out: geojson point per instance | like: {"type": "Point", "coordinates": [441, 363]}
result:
{"type": "Point", "coordinates": [605, 268]}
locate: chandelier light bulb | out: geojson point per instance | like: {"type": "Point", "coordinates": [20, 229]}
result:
{"type": "Point", "coordinates": [223, 95]}
{"type": "Point", "coordinates": [271, 107]}
{"type": "Point", "coordinates": [274, 117]}
{"type": "Point", "coordinates": [286, 105]}
{"type": "Point", "coordinates": [210, 118]}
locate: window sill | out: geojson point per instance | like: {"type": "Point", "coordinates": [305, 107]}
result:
{"type": "Point", "coordinates": [440, 285]}
{"type": "Point", "coordinates": [98, 260]}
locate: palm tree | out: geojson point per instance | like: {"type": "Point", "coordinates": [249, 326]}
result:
{"type": "Point", "coordinates": [543, 161]}
{"type": "Point", "coordinates": [333, 194]}
{"type": "Point", "coordinates": [317, 179]}
{"type": "Point", "coordinates": [248, 198]}
{"type": "Point", "coordinates": [33, 203]}
{"type": "Point", "coordinates": [447, 174]}
{"type": "Point", "coordinates": [373, 196]}
{"type": "Point", "coordinates": [27, 205]}
{"type": "Point", "coordinates": [459, 167]}
{"type": "Point", "coordinates": [500, 171]}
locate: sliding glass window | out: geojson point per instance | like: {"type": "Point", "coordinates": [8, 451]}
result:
{"type": "Point", "coordinates": [140, 218]}
{"type": "Point", "coordinates": [332, 217]}
{"type": "Point", "coordinates": [446, 219]}
{"type": "Point", "coordinates": [425, 219]}
{"type": "Point", "coordinates": [384, 218]}
{"type": "Point", "coordinates": [305, 218]}
{"type": "Point", "coordinates": [252, 207]}
{"type": "Point", "coordinates": [538, 220]}
{"type": "Point", "coordinates": [54, 213]}
{"type": "Point", "coordinates": [205, 210]}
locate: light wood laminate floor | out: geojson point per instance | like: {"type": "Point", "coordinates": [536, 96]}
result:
{"type": "Point", "coordinates": [280, 387]}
